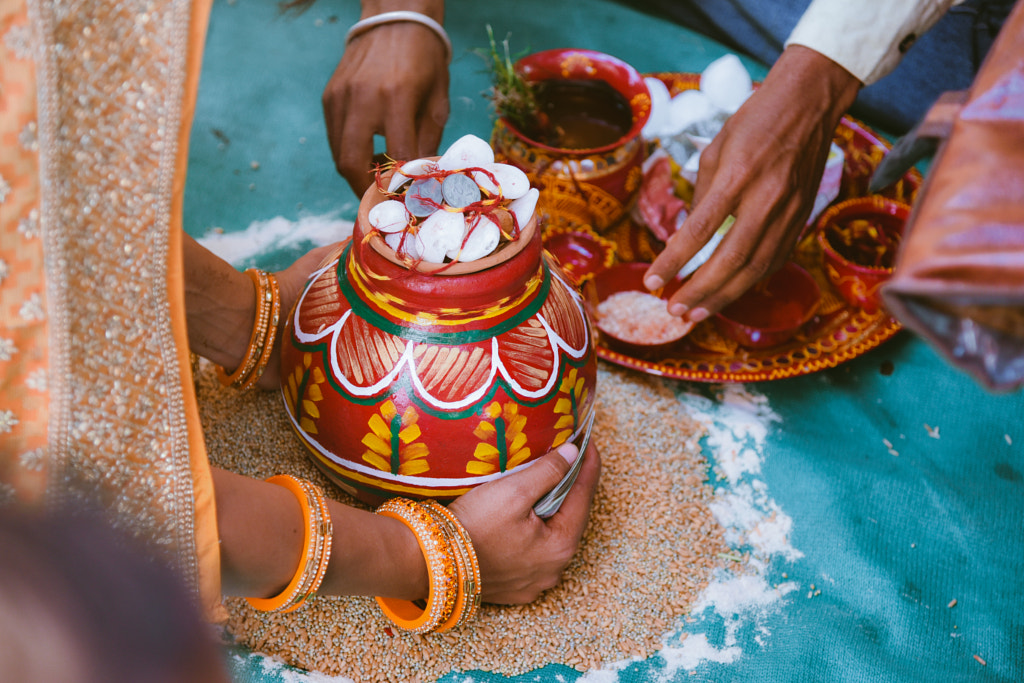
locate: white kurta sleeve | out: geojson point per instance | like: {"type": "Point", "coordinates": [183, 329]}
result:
{"type": "Point", "coordinates": [867, 38]}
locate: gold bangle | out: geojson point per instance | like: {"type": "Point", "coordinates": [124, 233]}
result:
{"type": "Point", "coordinates": [264, 305]}
{"type": "Point", "coordinates": [266, 346]}
{"type": "Point", "coordinates": [316, 547]}
{"type": "Point", "coordinates": [467, 601]}
{"type": "Point", "coordinates": [441, 570]}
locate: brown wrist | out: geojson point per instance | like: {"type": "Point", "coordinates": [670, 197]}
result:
{"type": "Point", "coordinates": [821, 80]}
{"type": "Point", "coordinates": [220, 306]}
{"type": "Point", "coordinates": [410, 566]}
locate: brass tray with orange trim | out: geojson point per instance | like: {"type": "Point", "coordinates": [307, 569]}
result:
{"type": "Point", "coordinates": [837, 333]}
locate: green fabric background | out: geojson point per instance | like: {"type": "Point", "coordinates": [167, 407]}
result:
{"type": "Point", "coordinates": [889, 540]}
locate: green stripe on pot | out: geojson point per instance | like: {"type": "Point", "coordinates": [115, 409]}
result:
{"type": "Point", "coordinates": [448, 338]}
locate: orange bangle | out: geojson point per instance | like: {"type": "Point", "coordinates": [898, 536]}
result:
{"type": "Point", "coordinates": [266, 346]}
{"type": "Point", "coordinates": [441, 570]}
{"type": "Point", "coordinates": [467, 601]}
{"type": "Point", "coordinates": [257, 338]}
{"type": "Point", "coordinates": [316, 547]}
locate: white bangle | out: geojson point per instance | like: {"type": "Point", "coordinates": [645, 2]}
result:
{"type": "Point", "coordinates": [366, 24]}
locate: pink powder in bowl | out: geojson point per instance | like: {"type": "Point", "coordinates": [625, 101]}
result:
{"type": "Point", "coordinates": [639, 318]}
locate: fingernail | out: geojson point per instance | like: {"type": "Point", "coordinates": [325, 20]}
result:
{"type": "Point", "coordinates": [698, 314]}
{"type": "Point", "coordinates": [569, 452]}
{"type": "Point", "coordinates": [653, 282]}
{"type": "Point", "coordinates": [677, 309]}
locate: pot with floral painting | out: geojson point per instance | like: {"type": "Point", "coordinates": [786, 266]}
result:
{"type": "Point", "coordinates": [441, 347]}
{"type": "Point", "coordinates": [571, 119]}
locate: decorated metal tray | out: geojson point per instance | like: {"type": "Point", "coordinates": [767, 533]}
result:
{"type": "Point", "coordinates": [837, 332]}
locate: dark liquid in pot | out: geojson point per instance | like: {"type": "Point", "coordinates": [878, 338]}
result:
{"type": "Point", "coordinates": [579, 114]}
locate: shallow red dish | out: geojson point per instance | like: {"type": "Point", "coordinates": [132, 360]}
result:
{"type": "Point", "coordinates": [580, 254]}
{"type": "Point", "coordinates": [772, 311]}
{"type": "Point", "coordinates": [846, 265]}
{"type": "Point", "coordinates": [628, 277]}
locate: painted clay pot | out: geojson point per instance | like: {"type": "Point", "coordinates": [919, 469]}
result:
{"type": "Point", "coordinates": [588, 183]}
{"type": "Point", "coordinates": [426, 381]}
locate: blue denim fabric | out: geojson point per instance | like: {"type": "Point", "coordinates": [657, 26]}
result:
{"type": "Point", "coordinates": [945, 58]}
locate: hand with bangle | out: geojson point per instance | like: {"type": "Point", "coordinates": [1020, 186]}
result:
{"type": "Point", "coordinates": [392, 80]}
{"type": "Point", "coordinates": [234, 318]}
{"type": "Point", "coordinates": [282, 541]}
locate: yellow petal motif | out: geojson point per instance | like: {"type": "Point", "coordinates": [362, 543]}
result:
{"type": "Point", "coordinates": [479, 468]}
{"type": "Point", "coordinates": [520, 457]}
{"type": "Point", "coordinates": [410, 433]}
{"type": "Point", "coordinates": [415, 451]}
{"type": "Point", "coordinates": [379, 427]}
{"type": "Point", "coordinates": [308, 425]}
{"type": "Point", "coordinates": [311, 409]}
{"type": "Point", "coordinates": [486, 452]}
{"type": "Point", "coordinates": [377, 461]}
{"type": "Point", "coordinates": [484, 431]}
{"type": "Point", "coordinates": [413, 467]}
{"type": "Point", "coordinates": [377, 445]}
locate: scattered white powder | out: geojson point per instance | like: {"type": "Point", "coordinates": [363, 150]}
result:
{"type": "Point", "coordinates": [693, 651]}
{"type": "Point", "coordinates": [737, 422]}
{"type": "Point", "coordinates": [261, 237]}
{"type": "Point", "coordinates": [273, 668]}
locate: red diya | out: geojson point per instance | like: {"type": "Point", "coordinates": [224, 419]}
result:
{"type": "Point", "coordinates": [427, 381]}
{"type": "Point", "coordinates": [859, 240]}
{"type": "Point", "coordinates": [585, 152]}
{"type": "Point", "coordinates": [772, 311]}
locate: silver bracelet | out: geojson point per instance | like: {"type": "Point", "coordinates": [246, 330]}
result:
{"type": "Point", "coordinates": [366, 24]}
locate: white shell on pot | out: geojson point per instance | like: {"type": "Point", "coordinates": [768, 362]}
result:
{"type": "Point", "coordinates": [483, 235]}
{"type": "Point", "coordinates": [410, 247]}
{"type": "Point", "coordinates": [442, 231]}
{"type": "Point", "coordinates": [389, 216]}
{"type": "Point", "coordinates": [467, 151]}
{"type": "Point", "coordinates": [414, 167]}
{"type": "Point", "coordinates": [689, 106]}
{"type": "Point", "coordinates": [659, 119]}
{"type": "Point", "coordinates": [523, 207]}
{"type": "Point", "coordinates": [512, 181]}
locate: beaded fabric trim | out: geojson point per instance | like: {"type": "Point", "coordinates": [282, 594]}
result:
{"type": "Point", "coordinates": [111, 82]}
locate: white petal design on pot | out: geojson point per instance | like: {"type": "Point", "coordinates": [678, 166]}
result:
{"type": "Point", "coordinates": [726, 83]}
{"type": "Point", "coordinates": [523, 207]}
{"type": "Point", "coordinates": [511, 180]}
{"type": "Point", "coordinates": [443, 230]}
{"type": "Point", "coordinates": [389, 216]}
{"type": "Point", "coordinates": [467, 151]}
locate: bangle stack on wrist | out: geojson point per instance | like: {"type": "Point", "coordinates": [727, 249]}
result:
{"type": "Point", "coordinates": [452, 567]}
{"type": "Point", "coordinates": [365, 25]}
{"type": "Point", "coordinates": [316, 547]}
{"type": "Point", "coordinates": [264, 333]}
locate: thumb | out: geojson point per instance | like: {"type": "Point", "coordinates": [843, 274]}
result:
{"type": "Point", "coordinates": [532, 483]}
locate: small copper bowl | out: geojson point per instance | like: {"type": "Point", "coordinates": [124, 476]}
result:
{"type": "Point", "coordinates": [859, 240]}
{"type": "Point", "coordinates": [772, 311]}
{"type": "Point", "coordinates": [629, 278]}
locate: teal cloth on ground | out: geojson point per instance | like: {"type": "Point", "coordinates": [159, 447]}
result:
{"type": "Point", "coordinates": [894, 520]}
